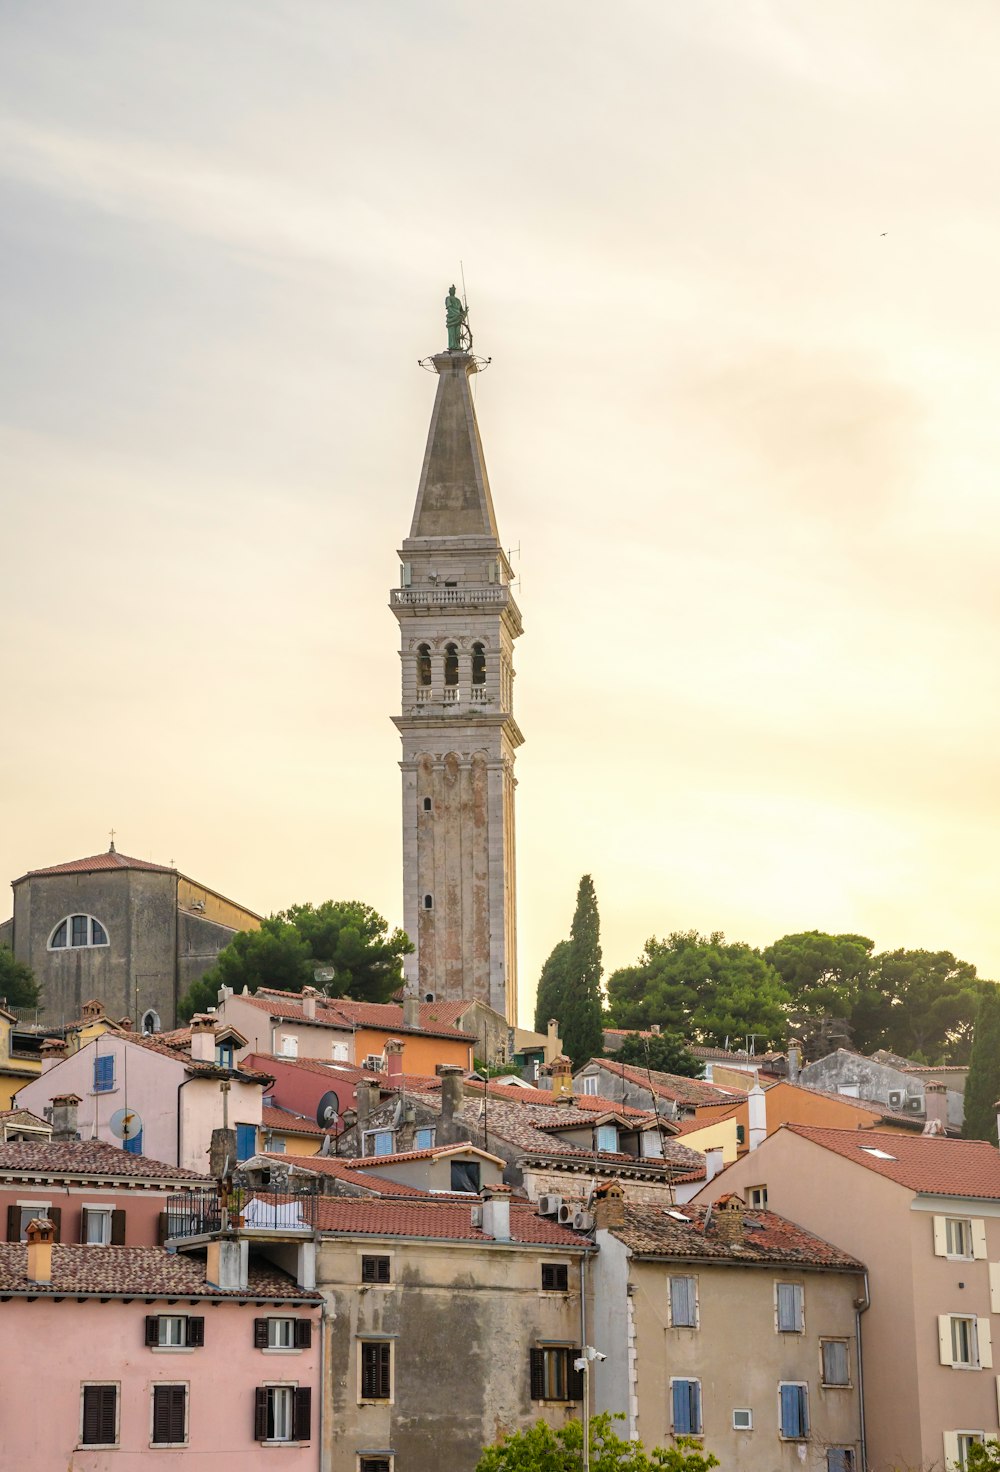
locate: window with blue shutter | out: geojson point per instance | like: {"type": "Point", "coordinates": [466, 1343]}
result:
{"type": "Point", "coordinates": [791, 1319]}
{"type": "Point", "coordinates": [246, 1141]}
{"type": "Point", "coordinates": [104, 1074]}
{"type": "Point", "coordinates": [794, 1407]}
{"type": "Point", "coordinates": [686, 1396]}
{"type": "Point", "coordinates": [683, 1303]}
{"type": "Point", "coordinates": [424, 1140]}
{"type": "Point", "coordinates": [133, 1145]}
{"type": "Point", "coordinates": [607, 1138]}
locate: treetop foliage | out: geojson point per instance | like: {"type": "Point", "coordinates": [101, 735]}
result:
{"type": "Point", "coordinates": [664, 1052]}
{"type": "Point", "coordinates": [982, 1087]}
{"type": "Point", "coordinates": [544, 1449]}
{"type": "Point", "coordinates": [17, 981]}
{"type": "Point", "coordinates": [569, 988]}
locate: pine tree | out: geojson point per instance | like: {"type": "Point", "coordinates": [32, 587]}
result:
{"type": "Point", "coordinates": [982, 1088]}
{"type": "Point", "coordinates": [582, 1018]}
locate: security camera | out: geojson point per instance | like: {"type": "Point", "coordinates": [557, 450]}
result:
{"type": "Point", "coordinates": [598, 1355]}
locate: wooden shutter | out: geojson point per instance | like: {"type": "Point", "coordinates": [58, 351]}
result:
{"type": "Point", "coordinates": [260, 1333]}
{"type": "Point", "coordinates": [196, 1332]}
{"type": "Point", "coordinates": [302, 1414]}
{"type": "Point", "coordinates": [536, 1358]}
{"type": "Point", "coordinates": [995, 1287]}
{"type": "Point", "coordinates": [118, 1228]}
{"type": "Point", "coordinates": [681, 1407]}
{"type": "Point", "coordinates": [944, 1338]}
{"type": "Point", "coordinates": [13, 1224]}
{"type": "Point", "coordinates": [303, 1334]}
{"type": "Point", "coordinates": [940, 1237]}
{"type": "Point", "coordinates": [574, 1377]}
{"type": "Point", "coordinates": [152, 1329]}
{"type": "Point", "coordinates": [985, 1338]}
{"type": "Point", "coordinates": [978, 1237]}
{"type": "Point", "coordinates": [260, 1413]}
{"type": "Point", "coordinates": [84, 1215]}
{"type": "Point", "coordinates": [950, 1451]}
{"type": "Point", "coordinates": [162, 1228]}
{"type": "Point", "coordinates": [384, 1371]}
{"type": "Point", "coordinates": [99, 1404]}
{"type": "Point", "coordinates": [54, 1215]}
{"type": "Point", "coordinates": [168, 1414]}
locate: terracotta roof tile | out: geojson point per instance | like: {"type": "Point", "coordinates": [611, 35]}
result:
{"type": "Point", "coordinates": [367, 1162]}
{"type": "Point", "coordinates": [442, 1220]}
{"type": "Point", "coordinates": [274, 1118]}
{"type": "Point", "coordinates": [52, 1158]}
{"type": "Point", "coordinates": [693, 1092]}
{"type": "Point", "coordinates": [331, 1165]}
{"type": "Point", "coordinates": [651, 1231]}
{"type": "Point", "coordinates": [96, 862]}
{"type": "Point", "coordinates": [345, 1012]}
{"type": "Point", "coordinates": [930, 1164]}
{"type": "Point", "coordinates": [141, 1272]}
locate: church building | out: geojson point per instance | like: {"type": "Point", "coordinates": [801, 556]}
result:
{"type": "Point", "coordinates": [458, 622]}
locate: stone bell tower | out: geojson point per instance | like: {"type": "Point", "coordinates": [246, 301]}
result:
{"type": "Point", "coordinates": [457, 622]}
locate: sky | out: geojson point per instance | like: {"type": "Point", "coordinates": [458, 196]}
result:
{"type": "Point", "coordinates": [734, 262]}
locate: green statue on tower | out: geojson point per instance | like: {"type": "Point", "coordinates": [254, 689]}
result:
{"type": "Point", "coordinates": [456, 317]}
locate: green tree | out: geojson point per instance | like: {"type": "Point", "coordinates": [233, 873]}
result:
{"type": "Point", "coordinates": [543, 1448]}
{"type": "Point", "coordinates": [581, 1022]}
{"type": "Point", "coordinates": [703, 987]}
{"type": "Point", "coordinates": [983, 1456]}
{"type": "Point", "coordinates": [664, 1052]}
{"type": "Point", "coordinates": [823, 974]}
{"type": "Point", "coordinates": [18, 987]}
{"type": "Point", "coordinates": [550, 999]}
{"type": "Point", "coordinates": [927, 1006]}
{"type": "Point", "coordinates": [982, 1087]}
{"type": "Point", "coordinates": [347, 935]}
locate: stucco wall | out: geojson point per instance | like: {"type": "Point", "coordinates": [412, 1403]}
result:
{"type": "Point", "coordinates": [873, 1080]}
{"type": "Point", "coordinates": [142, 1208]}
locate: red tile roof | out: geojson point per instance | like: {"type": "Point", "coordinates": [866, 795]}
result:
{"type": "Point", "coordinates": [138, 1272]}
{"type": "Point", "coordinates": [366, 1162]}
{"type": "Point", "coordinates": [110, 860]}
{"type": "Point", "coordinates": [93, 1158]}
{"type": "Point", "coordinates": [338, 1169]}
{"type": "Point", "coordinates": [691, 1092]}
{"type": "Point", "coordinates": [930, 1164]}
{"type": "Point", "coordinates": [274, 1118]}
{"type": "Point", "coordinates": [650, 1231]}
{"type": "Point", "coordinates": [346, 1014]}
{"type": "Point", "coordinates": [441, 1220]}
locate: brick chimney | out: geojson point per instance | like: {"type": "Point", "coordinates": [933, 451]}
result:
{"type": "Point", "coordinates": [53, 1051]}
{"type": "Point", "coordinates": [411, 1011]}
{"type": "Point", "coordinates": [609, 1205]}
{"type": "Point", "coordinates": [794, 1055]}
{"type": "Point", "coordinates": [63, 1117]}
{"type": "Point", "coordinates": [727, 1218]}
{"type": "Point", "coordinates": [41, 1235]}
{"type": "Point", "coordinates": [561, 1070]}
{"type": "Point", "coordinates": [309, 995]}
{"type": "Point", "coordinates": [394, 1059]}
{"type": "Point", "coordinates": [452, 1091]}
{"type": "Point", "coordinates": [935, 1107]}
{"type": "Point", "coordinates": [496, 1212]}
{"type": "Point", "coordinates": [366, 1097]}
{"type": "Point", "coordinates": [203, 1025]}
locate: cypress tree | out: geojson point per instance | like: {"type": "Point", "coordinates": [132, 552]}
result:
{"type": "Point", "coordinates": [582, 1018]}
{"type": "Point", "coordinates": [982, 1088]}
{"type": "Point", "coordinates": [551, 998]}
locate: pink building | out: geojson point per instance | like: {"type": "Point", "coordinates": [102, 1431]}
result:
{"type": "Point", "coordinates": [116, 1356]}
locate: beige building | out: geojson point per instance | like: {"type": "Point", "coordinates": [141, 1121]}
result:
{"type": "Point", "coordinates": [923, 1212]}
{"type": "Point", "coordinates": [733, 1326]}
{"type": "Point", "coordinates": [458, 622]}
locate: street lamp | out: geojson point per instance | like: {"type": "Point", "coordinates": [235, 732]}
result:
{"type": "Point", "coordinates": [587, 1357]}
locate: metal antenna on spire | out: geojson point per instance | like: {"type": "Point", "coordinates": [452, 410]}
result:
{"type": "Point", "coordinates": [465, 297]}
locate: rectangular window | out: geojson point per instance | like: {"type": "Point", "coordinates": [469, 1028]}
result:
{"type": "Point", "coordinates": [554, 1375]}
{"type": "Point", "coordinates": [374, 1464]}
{"type": "Point", "coordinates": [282, 1413]}
{"type": "Point", "coordinates": [790, 1308]}
{"type": "Point", "coordinates": [957, 1445]}
{"type": "Point", "coordinates": [169, 1415]}
{"type": "Point", "coordinates": [743, 1419]}
{"type": "Point", "coordinates": [651, 1145]}
{"type": "Point", "coordinates": [19, 1218]}
{"type": "Point", "coordinates": [80, 936]}
{"type": "Point", "coordinates": [224, 1055]}
{"type": "Point", "coordinates": [836, 1370]}
{"type": "Point", "coordinates": [684, 1303]}
{"type": "Point", "coordinates": [963, 1341]}
{"type": "Point", "coordinates": [465, 1175]}
{"type": "Point", "coordinates": [96, 1226]}
{"type": "Point", "coordinates": [587, 1084]}
{"type": "Point", "coordinates": [756, 1198]}
{"type": "Point", "coordinates": [175, 1331]}
{"type": "Point", "coordinates": [607, 1138]}
{"type": "Point", "coordinates": [555, 1277]}
{"type": "Point", "coordinates": [281, 1333]}
{"type": "Point", "coordinates": [104, 1073]}
{"type": "Point", "coordinates": [100, 1415]}
{"type": "Point", "coordinates": [424, 1139]}
{"type": "Point", "coordinates": [377, 1142]}
{"type": "Point", "coordinates": [958, 1236]}
{"type": "Point", "coordinates": [685, 1399]}
{"type": "Point", "coordinates": [839, 1459]}
{"type": "Point", "coordinates": [246, 1141]}
{"type": "Point", "coordinates": [793, 1406]}
{"type": "Point", "coordinates": [375, 1269]}
{"type": "Point", "coordinates": [376, 1369]}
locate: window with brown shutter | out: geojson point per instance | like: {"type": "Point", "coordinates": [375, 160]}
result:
{"type": "Point", "coordinates": [376, 1369]}
{"type": "Point", "coordinates": [260, 1333]}
{"type": "Point", "coordinates": [302, 1414]}
{"type": "Point", "coordinates": [303, 1333]}
{"type": "Point", "coordinates": [196, 1332]}
{"type": "Point", "coordinates": [13, 1224]}
{"type": "Point", "coordinates": [169, 1415]}
{"type": "Point", "coordinates": [100, 1415]}
{"type": "Point", "coordinates": [375, 1464]}
{"type": "Point", "coordinates": [54, 1215]}
{"type": "Point", "coordinates": [118, 1229]}
{"type": "Point", "coordinates": [374, 1269]}
{"type": "Point", "coordinates": [555, 1277]}
{"type": "Point", "coordinates": [260, 1413]}
{"type": "Point", "coordinates": [553, 1373]}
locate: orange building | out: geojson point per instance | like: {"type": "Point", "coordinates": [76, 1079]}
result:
{"type": "Point", "coordinates": [769, 1106]}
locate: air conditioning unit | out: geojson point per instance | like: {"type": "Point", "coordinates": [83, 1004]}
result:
{"type": "Point", "coordinates": [897, 1098]}
{"type": "Point", "coordinates": [915, 1105]}
{"type": "Point", "coordinates": [549, 1205]}
{"type": "Point", "coordinates": [583, 1221]}
{"type": "Point", "coordinates": [565, 1212]}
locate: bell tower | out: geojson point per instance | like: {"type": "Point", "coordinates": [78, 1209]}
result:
{"type": "Point", "coordinates": [457, 622]}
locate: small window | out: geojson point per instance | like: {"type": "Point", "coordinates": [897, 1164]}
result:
{"type": "Point", "coordinates": [80, 933]}
{"type": "Point", "coordinates": [98, 935]}
{"type": "Point", "coordinates": [684, 1303]}
{"type": "Point", "coordinates": [104, 1073]}
{"type": "Point", "coordinates": [743, 1419]}
{"type": "Point", "coordinates": [100, 1415]}
{"type": "Point", "coordinates": [374, 1464]}
{"type": "Point", "coordinates": [958, 1236]}
{"type": "Point", "coordinates": [741, 1134]}
{"type": "Point", "coordinates": [790, 1308]}
{"type": "Point", "coordinates": [839, 1459]}
{"type": "Point", "coordinates": [174, 1331]}
{"type": "Point", "coordinates": [963, 1341]}
{"type": "Point", "coordinates": [465, 1175]}
{"type": "Point", "coordinates": [428, 804]}
{"type": "Point", "coordinates": [246, 1141]}
{"type": "Point", "coordinates": [428, 902]}
{"type": "Point", "coordinates": [756, 1198]}
{"type": "Point", "coordinates": [151, 1021]}
{"type": "Point", "coordinates": [224, 1055]}
{"type": "Point", "coordinates": [793, 1408]}
{"type": "Point", "coordinates": [555, 1277]}
{"type": "Point", "coordinates": [376, 1370]}
{"type": "Point", "coordinates": [587, 1084]}
{"type": "Point", "coordinates": [282, 1332]}
{"type": "Point", "coordinates": [607, 1138]}
{"type": "Point", "coordinates": [836, 1367]}
{"type": "Point", "coordinates": [20, 1217]}
{"type": "Point", "coordinates": [957, 1447]}
{"type": "Point", "coordinates": [282, 1413]}
{"type": "Point", "coordinates": [96, 1226]}
{"type": "Point", "coordinates": [685, 1398]}
{"type": "Point", "coordinates": [478, 664]}
{"type": "Point", "coordinates": [290, 1046]}
{"type": "Point", "coordinates": [58, 939]}
{"type": "Point", "coordinates": [554, 1376]}
{"type": "Point", "coordinates": [424, 1139]}
{"type": "Point", "coordinates": [169, 1415]}
{"type": "Point", "coordinates": [651, 1145]}
{"type": "Point", "coordinates": [377, 1142]}
{"type": "Point", "coordinates": [424, 664]}
{"type": "Point", "coordinates": [375, 1269]}
{"type": "Point", "coordinates": [451, 664]}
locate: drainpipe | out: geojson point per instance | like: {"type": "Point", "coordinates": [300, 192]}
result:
{"type": "Point", "coordinates": [188, 1080]}
{"type": "Point", "coordinates": [586, 1368]}
{"type": "Point", "coordinates": [861, 1306]}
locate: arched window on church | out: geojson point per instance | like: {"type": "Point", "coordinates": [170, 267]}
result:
{"type": "Point", "coordinates": [423, 664]}
{"type": "Point", "coordinates": [451, 664]}
{"type": "Point", "coordinates": [478, 664]}
{"type": "Point", "coordinates": [76, 931]}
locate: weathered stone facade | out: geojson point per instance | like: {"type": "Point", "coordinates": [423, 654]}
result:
{"type": "Point", "coordinates": [458, 622]}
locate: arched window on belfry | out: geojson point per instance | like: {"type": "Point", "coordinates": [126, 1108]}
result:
{"type": "Point", "coordinates": [423, 664]}
{"type": "Point", "coordinates": [478, 664]}
{"type": "Point", "coordinates": [451, 664]}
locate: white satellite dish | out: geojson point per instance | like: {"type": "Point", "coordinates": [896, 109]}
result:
{"type": "Point", "coordinates": [324, 973]}
{"type": "Point", "coordinates": [126, 1124]}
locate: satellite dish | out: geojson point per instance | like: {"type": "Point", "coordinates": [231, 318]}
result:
{"type": "Point", "coordinates": [126, 1124]}
{"type": "Point", "coordinates": [327, 1110]}
{"type": "Point", "coordinates": [324, 974]}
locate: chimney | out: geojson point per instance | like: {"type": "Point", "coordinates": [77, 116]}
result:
{"type": "Point", "coordinates": [41, 1235]}
{"type": "Point", "coordinates": [562, 1078]}
{"type": "Point", "coordinates": [203, 1026]}
{"type": "Point", "coordinates": [728, 1219]}
{"type": "Point", "coordinates": [609, 1205]}
{"type": "Point", "coordinates": [394, 1060]}
{"type": "Point", "coordinates": [713, 1163]}
{"type": "Point", "coordinates": [53, 1051]}
{"type": "Point", "coordinates": [452, 1090]}
{"type": "Point", "coordinates": [309, 995]}
{"type": "Point", "coordinates": [935, 1106]}
{"type": "Point", "coordinates": [406, 1133]}
{"type": "Point", "coordinates": [222, 1154]}
{"type": "Point", "coordinates": [553, 1042]}
{"type": "Point", "coordinates": [63, 1117]}
{"type": "Point", "coordinates": [366, 1096]}
{"type": "Point", "coordinates": [654, 1029]}
{"type": "Point", "coordinates": [496, 1212]}
{"type": "Point", "coordinates": [794, 1052]}
{"type": "Point", "coordinates": [226, 1263]}
{"type": "Point", "coordinates": [223, 993]}
{"type": "Point", "coordinates": [757, 1117]}
{"type": "Point", "coordinates": [411, 1012]}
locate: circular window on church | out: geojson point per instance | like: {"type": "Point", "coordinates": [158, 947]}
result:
{"type": "Point", "coordinates": [76, 931]}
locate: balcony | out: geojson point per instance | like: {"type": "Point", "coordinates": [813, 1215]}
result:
{"type": "Point", "coordinates": [252, 1209]}
{"type": "Point", "coordinates": [468, 594]}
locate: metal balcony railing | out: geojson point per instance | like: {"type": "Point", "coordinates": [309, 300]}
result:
{"type": "Point", "coordinates": [250, 1208]}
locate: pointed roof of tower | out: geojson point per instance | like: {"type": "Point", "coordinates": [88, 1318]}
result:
{"type": "Point", "coordinates": [453, 499]}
